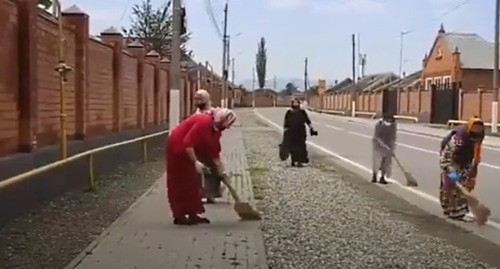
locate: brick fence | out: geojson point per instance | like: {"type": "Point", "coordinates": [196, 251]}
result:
{"type": "Point", "coordinates": [113, 86]}
{"type": "Point", "coordinates": [410, 102]}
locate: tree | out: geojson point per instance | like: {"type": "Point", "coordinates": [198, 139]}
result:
{"type": "Point", "coordinates": [153, 28]}
{"type": "Point", "coordinates": [260, 62]}
{"type": "Point", "coordinates": [45, 3]}
{"type": "Point", "coordinates": [290, 89]}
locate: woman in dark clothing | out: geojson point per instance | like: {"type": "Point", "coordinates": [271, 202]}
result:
{"type": "Point", "coordinates": [295, 133]}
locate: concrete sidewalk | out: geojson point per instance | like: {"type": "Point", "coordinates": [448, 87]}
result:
{"type": "Point", "coordinates": [145, 238]}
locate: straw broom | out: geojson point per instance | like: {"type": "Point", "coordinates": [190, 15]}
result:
{"type": "Point", "coordinates": [481, 212]}
{"type": "Point", "coordinates": [243, 209]}
{"type": "Point", "coordinates": [410, 179]}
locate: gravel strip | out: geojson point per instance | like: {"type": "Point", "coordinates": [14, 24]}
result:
{"type": "Point", "coordinates": [52, 236]}
{"type": "Point", "coordinates": [315, 217]}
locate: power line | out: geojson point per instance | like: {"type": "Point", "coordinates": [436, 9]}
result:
{"type": "Point", "coordinates": [127, 5]}
{"type": "Point", "coordinates": [210, 12]}
{"type": "Point", "coordinates": [444, 14]}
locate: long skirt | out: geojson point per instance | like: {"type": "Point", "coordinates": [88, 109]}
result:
{"type": "Point", "coordinates": [296, 143]}
{"type": "Point", "coordinates": [453, 202]}
{"type": "Point", "coordinates": [183, 185]}
{"type": "Point", "coordinates": [382, 161]}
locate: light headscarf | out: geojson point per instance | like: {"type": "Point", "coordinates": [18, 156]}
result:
{"type": "Point", "coordinates": [223, 118]}
{"type": "Point", "coordinates": [204, 97]}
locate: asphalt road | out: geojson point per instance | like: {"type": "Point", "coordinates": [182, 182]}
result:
{"type": "Point", "coordinates": [418, 153]}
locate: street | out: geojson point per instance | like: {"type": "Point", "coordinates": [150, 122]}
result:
{"type": "Point", "coordinates": [350, 141]}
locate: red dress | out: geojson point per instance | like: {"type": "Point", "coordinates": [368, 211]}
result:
{"type": "Point", "coordinates": [183, 181]}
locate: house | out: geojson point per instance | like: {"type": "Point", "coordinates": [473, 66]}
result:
{"type": "Point", "coordinates": [462, 58]}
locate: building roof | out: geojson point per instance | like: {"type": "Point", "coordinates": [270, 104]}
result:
{"type": "Point", "coordinates": [475, 51]}
{"type": "Point", "coordinates": [339, 86]}
{"type": "Point", "coordinates": [402, 82]}
{"type": "Point", "coordinates": [370, 82]}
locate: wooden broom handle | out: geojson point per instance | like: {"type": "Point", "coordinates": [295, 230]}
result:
{"type": "Point", "coordinates": [232, 191]}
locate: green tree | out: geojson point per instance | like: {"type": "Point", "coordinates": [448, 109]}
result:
{"type": "Point", "coordinates": [152, 26]}
{"type": "Point", "coordinates": [261, 62]}
{"type": "Point", "coordinates": [45, 3]}
{"type": "Point", "coordinates": [290, 88]}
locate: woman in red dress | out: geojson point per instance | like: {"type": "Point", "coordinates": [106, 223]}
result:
{"type": "Point", "coordinates": [200, 133]}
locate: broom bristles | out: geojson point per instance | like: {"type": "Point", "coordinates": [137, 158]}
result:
{"type": "Point", "coordinates": [480, 211]}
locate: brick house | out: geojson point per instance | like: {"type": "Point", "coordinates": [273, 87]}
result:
{"type": "Point", "coordinates": [464, 60]}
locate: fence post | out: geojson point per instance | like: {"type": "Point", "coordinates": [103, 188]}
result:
{"type": "Point", "coordinates": [154, 57]}
{"type": "Point", "coordinates": [75, 17]}
{"type": "Point", "coordinates": [113, 37]}
{"type": "Point", "coordinates": [138, 50]}
{"type": "Point", "coordinates": [480, 91]}
{"type": "Point", "coordinates": [92, 183]}
{"type": "Point", "coordinates": [27, 75]}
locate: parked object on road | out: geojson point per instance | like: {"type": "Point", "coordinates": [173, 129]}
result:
{"type": "Point", "coordinates": [295, 134]}
{"type": "Point", "coordinates": [244, 210]}
{"type": "Point", "coordinates": [459, 162]}
{"type": "Point", "coordinates": [383, 146]}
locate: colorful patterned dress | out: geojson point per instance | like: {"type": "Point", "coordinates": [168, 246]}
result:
{"type": "Point", "coordinates": [456, 153]}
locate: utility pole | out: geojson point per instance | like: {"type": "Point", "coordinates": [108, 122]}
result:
{"type": "Point", "coordinates": [253, 87]}
{"type": "Point", "coordinates": [232, 70]}
{"type": "Point", "coordinates": [274, 83]}
{"type": "Point", "coordinates": [360, 58]}
{"type": "Point", "coordinates": [225, 41]}
{"type": "Point", "coordinates": [175, 65]}
{"type": "Point", "coordinates": [494, 104]}
{"type": "Point", "coordinates": [306, 89]}
{"type": "Point", "coordinates": [354, 79]}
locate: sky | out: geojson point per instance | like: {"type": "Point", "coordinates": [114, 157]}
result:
{"type": "Point", "coordinates": [317, 29]}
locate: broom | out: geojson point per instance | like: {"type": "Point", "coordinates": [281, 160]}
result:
{"type": "Point", "coordinates": [481, 212]}
{"type": "Point", "coordinates": [244, 210]}
{"type": "Point", "coordinates": [410, 179]}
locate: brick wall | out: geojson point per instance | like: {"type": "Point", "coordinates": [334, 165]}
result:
{"type": "Point", "coordinates": [9, 73]}
{"type": "Point", "coordinates": [110, 88]}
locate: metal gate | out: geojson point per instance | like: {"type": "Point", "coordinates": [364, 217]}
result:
{"type": "Point", "coordinates": [390, 102]}
{"type": "Point", "coordinates": [444, 103]}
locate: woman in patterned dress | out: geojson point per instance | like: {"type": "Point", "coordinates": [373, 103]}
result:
{"type": "Point", "coordinates": [459, 159]}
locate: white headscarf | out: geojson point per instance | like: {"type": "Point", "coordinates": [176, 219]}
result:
{"type": "Point", "coordinates": [205, 99]}
{"type": "Point", "coordinates": [224, 117]}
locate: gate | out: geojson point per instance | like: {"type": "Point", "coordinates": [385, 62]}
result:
{"type": "Point", "coordinates": [390, 102]}
{"type": "Point", "coordinates": [444, 103]}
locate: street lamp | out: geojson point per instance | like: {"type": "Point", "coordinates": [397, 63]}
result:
{"type": "Point", "coordinates": [402, 34]}
{"type": "Point", "coordinates": [494, 103]}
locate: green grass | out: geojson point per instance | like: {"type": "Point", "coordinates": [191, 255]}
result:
{"type": "Point", "coordinates": [259, 184]}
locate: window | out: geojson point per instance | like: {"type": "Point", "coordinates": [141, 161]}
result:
{"type": "Point", "coordinates": [437, 82]}
{"type": "Point", "coordinates": [428, 83]}
{"type": "Point", "coordinates": [447, 81]}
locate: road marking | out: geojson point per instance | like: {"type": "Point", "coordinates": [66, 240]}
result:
{"type": "Point", "coordinates": [334, 127]}
{"type": "Point", "coordinates": [435, 153]}
{"type": "Point", "coordinates": [368, 170]}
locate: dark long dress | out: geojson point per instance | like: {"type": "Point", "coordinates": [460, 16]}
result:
{"type": "Point", "coordinates": [296, 133]}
